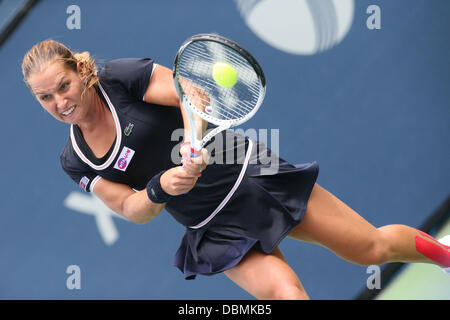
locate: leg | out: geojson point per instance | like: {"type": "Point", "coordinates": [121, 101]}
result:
{"type": "Point", "coordinates": [331, 223]}
{"type": "Point", "coordinates": [267, 276]}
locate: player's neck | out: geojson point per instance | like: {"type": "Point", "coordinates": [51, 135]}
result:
{"type": "Point", "coordinates": [98, 116]}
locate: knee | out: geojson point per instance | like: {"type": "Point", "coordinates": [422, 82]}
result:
{"type": "Point", "coordinates": [377, 256]}
{"type": "Point", "coordinates": [287, 292]}
{"type": "Point", "coordinates": [377, 253]}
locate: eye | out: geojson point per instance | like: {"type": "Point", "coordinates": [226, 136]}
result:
{"type": "Point", "coordinates": [45, 97]}
{"type": "Point", "coordinates": [64, 86]}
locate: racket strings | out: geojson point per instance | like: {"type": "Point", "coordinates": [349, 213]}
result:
{"type": "Point", "coordinates": [224, 113]}
{"type": "Point", "coordinates": [202, 67]}
{"type": "Point", "coordinates": [227, 103]}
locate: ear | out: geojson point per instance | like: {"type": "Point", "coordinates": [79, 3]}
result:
{"type": "Point", "coordinates": [79, 66]}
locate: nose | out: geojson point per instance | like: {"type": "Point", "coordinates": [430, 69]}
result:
{"type": "Point", "coordinates": [61, 102]}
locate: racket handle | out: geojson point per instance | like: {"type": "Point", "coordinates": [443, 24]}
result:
{"type": "Point", "coordinates": [195, 153]}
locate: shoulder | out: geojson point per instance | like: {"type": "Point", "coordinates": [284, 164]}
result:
{"type": "Point", "coordinates": [77, 170]}
{"type": "Point", "coordinates": [125, 67]}
{"type": "Point", "coordinates": [68, 158]}
{"type": "Point", "coordinates": [67, 152]}
{"type": "Point", "coordinates": [127, 75]}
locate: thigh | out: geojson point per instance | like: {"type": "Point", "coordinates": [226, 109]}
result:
{"type": "Point", "coordinates": [267, 276]}
{"type": "Point", "coordinates": [329, 222]}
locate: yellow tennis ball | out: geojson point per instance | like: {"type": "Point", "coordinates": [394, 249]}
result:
{"type": "Point", "coordinates": [224, 74]}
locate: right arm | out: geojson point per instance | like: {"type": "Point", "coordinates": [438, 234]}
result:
{"type": "Point", "coordinates": [132, 205]}
{"type": "Point", "coordinates": [136, 206]}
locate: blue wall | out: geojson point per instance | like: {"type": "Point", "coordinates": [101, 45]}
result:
{"type": "Point", "coordinates": [373, 111]}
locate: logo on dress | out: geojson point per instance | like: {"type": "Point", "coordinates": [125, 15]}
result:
{"type": "Point", "coordinates": [128, 129]}
{"type": "Point", "coordinates": [84, 182]}
{"type": "Point", "coordinates": [124, 159]}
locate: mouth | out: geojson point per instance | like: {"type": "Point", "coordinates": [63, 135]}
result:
{"type": "Point", "coordinates": [69, 111]}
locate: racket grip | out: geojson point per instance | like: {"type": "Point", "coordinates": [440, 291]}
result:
{"type": "Point", "coordinates": [195, 153]}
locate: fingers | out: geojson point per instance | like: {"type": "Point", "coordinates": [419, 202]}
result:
{"type": "Point", "coordinates": [185, 149]}
{"type": "Point", "coordinates": [192, 168]}
{"type": "Point", "coordinates": [182, 179]}
{"type": "Point", "coordinates": [177, 181]}
{"type": "Point", "coordinates": [194, 165]}
{"type": "Point", "coordinates": [186, 172]}
{"type": "Point", "coordinates": [205, 158]}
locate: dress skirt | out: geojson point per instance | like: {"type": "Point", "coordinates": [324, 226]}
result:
{"type": "Point", "coordinates": [261, 212]}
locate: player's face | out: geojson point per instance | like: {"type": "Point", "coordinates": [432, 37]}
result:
{"type": "Point", "coordinates": [58, 89]}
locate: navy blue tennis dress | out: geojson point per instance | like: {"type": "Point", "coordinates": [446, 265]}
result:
{"type": "Point", "coordinates": [247, 197]}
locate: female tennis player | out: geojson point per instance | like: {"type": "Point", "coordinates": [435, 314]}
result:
{"type": "Point", "coordinates": [121, 120]}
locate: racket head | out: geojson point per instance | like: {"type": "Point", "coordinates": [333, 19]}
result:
{"type": "Point", "coordinates": [223, 106]}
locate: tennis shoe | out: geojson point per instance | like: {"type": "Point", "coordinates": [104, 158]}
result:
{"type": "Point", "coordinates": [445, 241]}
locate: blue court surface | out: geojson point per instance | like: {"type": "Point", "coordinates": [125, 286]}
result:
{"type": "Point", "coordinates": [362, 90]}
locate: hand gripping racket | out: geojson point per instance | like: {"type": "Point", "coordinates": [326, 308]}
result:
{"type": "Point", "coordinates": [218, 81]}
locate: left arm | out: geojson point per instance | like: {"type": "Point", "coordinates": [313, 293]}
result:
{"type": "Point", "coordinates": [161, 90]}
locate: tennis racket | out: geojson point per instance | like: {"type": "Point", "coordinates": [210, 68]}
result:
{"type": "Point", "coordinates": [218, 81]}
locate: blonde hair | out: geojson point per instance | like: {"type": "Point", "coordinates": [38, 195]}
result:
{"type": "Point", "coordinates": [47, 52]}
